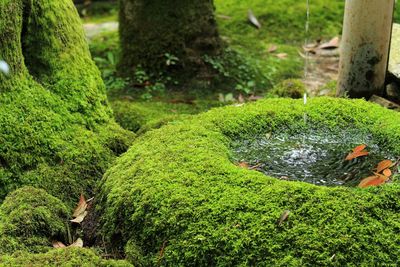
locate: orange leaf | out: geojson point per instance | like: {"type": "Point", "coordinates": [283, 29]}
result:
{"type": "Point", "coordinates": [371, 181]}
{"type": "Point", "coordinates": [243, 165]}
{"type": "Point", "coordinates": [387, 172]}
{"type": "Point", "coordinates": [82, 205]}
{"type": "Point", "coordinates": [359, 148]}
{"type": "Point", "coordinates": [357, 154]}
{"type": "Point", "coordinates": [384, 164]}
{"type": "Point", "coordinates": [383, 177]}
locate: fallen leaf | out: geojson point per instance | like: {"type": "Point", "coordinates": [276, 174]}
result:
{"type": "Point", "coordinates": [384, 164]}
{"type": "Point", "coordinates": [82, 205]}
{"type": "Point", "coordinates": [255, 166]}
{"type": "Point", "coordinates": [272, 48]}
{"type": "Point", "coordinates": [387, 172]}
{"type": "Point", "coordinates": [252, 18]}
{"type": "Point", "coordinates": [281, 55]}
{"type": "Point", "coordinates": [77, 244]}
{"type": "Point", "coordinates": [243, 164]}
{"type": "Point", "coordinates": [382, 176]}
{"type": "Point", "coordinates": [79, 218]}
{"type": "Point", "coordinates": [58, 244]}
{"type": "Point", "coordinates": [359, 148]}
{"type": "Point", "coordinates": [284, 217]}
{"type": "Point", "coordinates": [221, 16]}
{"type": "Point", "coordinates": [372, 181]}
{"type": "Point", "coordinates": [357, 154]}
{"type": "Point", "coordinates": [332, 44]}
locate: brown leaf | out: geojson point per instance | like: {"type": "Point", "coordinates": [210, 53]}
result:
{"type": "Point", "coordinates": [357, 154]}
{"type": "Point", "coordinates": [371, 181]}
{"type": "Point", "coordinates": [77, 244]}
{"type": "Point", "coordinates": [284, 217]}
{"type": "Point", "coordinates": [332, 44]}
{"type": "Point", "coordinates": [58, 244]}
{"type": "Point", "coordinates": [281, 55]}
{"type": "Point", "coordinates": [384, 164]}
{"type": "Point", "coordinates": [80, 209]}
{"type": "Point", "coordinates": [387, 172]}
{"type": "Point", "coordinates": [79, 218]}
{"type": "Point", "coordinates": [272, 48]}
{"type": "Point", "coordinates": [243, 165]}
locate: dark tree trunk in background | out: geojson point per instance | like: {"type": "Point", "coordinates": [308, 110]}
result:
{"type": "Point", "coordinates": [154, 30]}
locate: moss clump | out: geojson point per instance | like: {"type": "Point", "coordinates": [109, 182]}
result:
{"type": "Point", "coordinates": [60, 257]}
{"type": "Point", "coordinates": [142, 116]}
{"type": "Point", "coordinates": [291, 88]}
{"type": "Point", "coordinates": [30, 219]}
{"type": "Point", "coordinates": [178, 189]}
{"type": "Point", "coordinates": [57, 129]}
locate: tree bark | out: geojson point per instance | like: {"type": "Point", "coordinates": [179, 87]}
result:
{"type": "Point", "coordinates": [154, 30]}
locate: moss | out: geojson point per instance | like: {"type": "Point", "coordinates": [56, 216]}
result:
{"type": "Point", "coordinates": [329, 89]}
{"type": "Point", "coordinates": [291, 88]}
{"type": "Point", "coordinates": [142, 116]}
{"type": "Point", "coordinates": [57, 129]}
{"type": "Point", "coordinates": [30, 219]}
{"type": "Point", "coordinates": [177, 189]}
{"type": "Point", "coordinates": [60, 257]}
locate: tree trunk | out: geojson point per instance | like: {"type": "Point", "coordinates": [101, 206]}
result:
{"type": "Point", "coordinates": [57, 130]}
{"type": "Point", "coordinates": [167, 36]}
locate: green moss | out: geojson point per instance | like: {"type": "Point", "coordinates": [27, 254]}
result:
{"type": "Point", "coordinates": [142, 116]}
{"type": "Point", "coordinates": [291, 88]}
{"type": "Point", "coordinates": [177, 188]}
{"type": "Point", "coordinates": [60, 257]}
{"type": "Point", "coordinates": [30, 219]}
{"type": "Point", "coordinates": [57, 129]}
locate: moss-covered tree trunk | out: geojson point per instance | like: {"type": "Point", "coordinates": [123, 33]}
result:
{"type": "Point", "coordinates": [57, 131]}
{"type": "Point", "coordinates": [169, 36]}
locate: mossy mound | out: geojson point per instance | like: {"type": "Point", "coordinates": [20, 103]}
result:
{"type": "Point", "coordinates": [30, 219]}
{"type": "Point", "coordinates": [178, 191]}
{"type": "Point", "coordinates": [142, 116]}
{"type": "Point", "coordinates": [60, 257]}
{"type": "Point", "coordinates": [292, 88]}
{"type": "Point", "coordinates": [57, 130]}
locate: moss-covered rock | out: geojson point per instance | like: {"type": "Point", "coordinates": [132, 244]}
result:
{"type": "Point", "coordinates": [57, 130]}
{"type": "Point", "coordinates": [30, 219]}
{"type": "Point", "coordinates": [61, 257]}
{"type": "Point", "coordinates": [292, 88]}
{"type": "Point", "coordinates": [178, 191]}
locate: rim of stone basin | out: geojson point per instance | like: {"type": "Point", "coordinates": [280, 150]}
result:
{"type": "Point", "coordinates": [178, 183]}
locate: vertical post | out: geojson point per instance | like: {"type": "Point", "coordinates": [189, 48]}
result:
{"type": "Point", "coordinates": [365, 47]}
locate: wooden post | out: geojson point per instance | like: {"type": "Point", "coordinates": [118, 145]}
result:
{"type": "Point", "coordinates": [365, 47]}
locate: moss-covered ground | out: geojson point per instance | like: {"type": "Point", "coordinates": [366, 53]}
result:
{"type": "Point", "coordinates": [283, 26]}
{"type": "Point", "coordinates": [177, 191]}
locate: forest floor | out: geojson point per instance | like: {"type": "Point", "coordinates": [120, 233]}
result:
{"type": "Point", "coordinates": [276, 50]}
